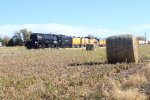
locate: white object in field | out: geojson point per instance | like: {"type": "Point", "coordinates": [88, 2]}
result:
{"type": "Point", "coordinates": [0, 44]}
{"type": "Point", "coordinates": [141, 42]}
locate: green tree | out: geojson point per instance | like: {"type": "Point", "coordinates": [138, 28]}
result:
{"type": "Point", "coordinates": [1, 39]}
{"type": "Point", "coordinates": [26, 34]}
{"type": "Point", "coordinates": [16, 40]}
{"type": "Point", "coordinates": [5, 41]}
{"type": "Point", "coordinates": [11, 42]}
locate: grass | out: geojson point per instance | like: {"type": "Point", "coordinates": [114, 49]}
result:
{"type": "Point", "coordinates": [130, 94]}
{"type": "Point", "coordinates": [134, 80]}
{"type": "Point", "coordinates": [68, 74]}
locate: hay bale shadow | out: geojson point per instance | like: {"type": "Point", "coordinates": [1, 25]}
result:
{"type": "Point", "coordinates": [90, 63]}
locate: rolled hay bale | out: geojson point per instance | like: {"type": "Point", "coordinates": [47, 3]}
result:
{"type": "Point", "coordinates": [122, 48]}
{"type": "Point", "coordinates": [89, 47]}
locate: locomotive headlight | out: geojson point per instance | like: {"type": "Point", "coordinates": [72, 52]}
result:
{"type": "Point", "coordinates": [35, 42]}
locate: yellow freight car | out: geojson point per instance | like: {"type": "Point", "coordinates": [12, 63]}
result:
{"type": "Point", "coordinates": [102, 43]}
{"type": "Point", "coordinates": [84, 41]}
{"type": "Point", "coordinates": [91, 41]}
{"type": "Point", "coordinates": [96, 42]}
{"type": "Point", "coordinates": [76, 42]}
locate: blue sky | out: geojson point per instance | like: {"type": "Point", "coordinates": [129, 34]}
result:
{"type": "Point", "coordinates": [76, 17]}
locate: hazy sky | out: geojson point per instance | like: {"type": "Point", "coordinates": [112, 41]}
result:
{"type": "Point", "coordinates": [76, 17]}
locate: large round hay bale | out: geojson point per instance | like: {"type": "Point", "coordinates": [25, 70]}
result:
{"type": "Point", "coordinates": [122, 48]}
{"type": "Point", "coordinates": [89, 47]}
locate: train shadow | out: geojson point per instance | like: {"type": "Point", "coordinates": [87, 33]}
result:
{"type": "Point", "coordinates": [91, 63]}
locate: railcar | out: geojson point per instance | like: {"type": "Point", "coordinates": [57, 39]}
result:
{"type": "Point", "coordinates": [71, 42]}
{"type": "Point", "coordinates": [102, 42]}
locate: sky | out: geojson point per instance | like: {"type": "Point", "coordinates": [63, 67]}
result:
{"type": "Point", "coordinates": [101, 18]}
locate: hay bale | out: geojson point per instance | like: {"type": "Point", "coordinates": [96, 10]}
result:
{"type": "Point", "coordinates": [122, 48]}
{"type": "Point", "coordinates": [89, 47]}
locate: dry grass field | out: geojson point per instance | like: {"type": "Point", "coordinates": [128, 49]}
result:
{"type": "Point", "coordinates": [71, 74]}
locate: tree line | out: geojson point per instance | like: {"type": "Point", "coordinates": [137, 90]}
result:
{"type": "Point", "coordinates": [18, 39]}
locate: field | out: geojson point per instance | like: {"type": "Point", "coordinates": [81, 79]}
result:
{"type": "Point", "coordinates": [71, 74]}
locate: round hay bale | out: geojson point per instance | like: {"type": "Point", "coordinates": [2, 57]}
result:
{"type": "Point", "coordinates": [122, 48]}
{"type": "Point", "coordinates": [89, 47]}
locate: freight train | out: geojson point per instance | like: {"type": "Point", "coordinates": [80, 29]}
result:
{"type": "Point", "coordinates": [39, 40]}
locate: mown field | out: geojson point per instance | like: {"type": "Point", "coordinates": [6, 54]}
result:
{"type": "Point", "coordinates": [71, 74]}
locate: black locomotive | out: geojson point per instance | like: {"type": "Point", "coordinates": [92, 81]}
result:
{"type": "Point", "coordinates": [39, 40]}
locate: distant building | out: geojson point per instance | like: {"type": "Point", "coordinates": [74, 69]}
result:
{"type": "Point", "coordinates": [142, 42]}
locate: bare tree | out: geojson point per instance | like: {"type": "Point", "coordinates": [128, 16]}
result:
{"type": "Point", "coordinates": [26, 34]}
{"type": "Point", "coordinates": [5, 41]}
